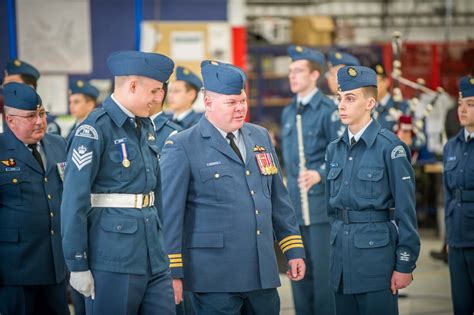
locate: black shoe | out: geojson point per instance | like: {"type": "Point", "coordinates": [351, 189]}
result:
{"type": "Point", "coordinates": [441, 255]}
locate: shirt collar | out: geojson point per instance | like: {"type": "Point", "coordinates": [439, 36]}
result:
{"type": "Point", "coordinates": [224, 134]}
{"type": "Point", "coordinates": [126, 111]}
{"type": "Point", "coordinates": [305, 100]}
{"type": "Point", "coordinates": [152, 117]}
{"type": "Point", "coordinates": [183, 115]}
{"type": "Point", "coordinates": [385, 99]}
{"type": "Point", "coordinates": [359, 134]}
{"type": "Point", "coordinates": [466, 134]}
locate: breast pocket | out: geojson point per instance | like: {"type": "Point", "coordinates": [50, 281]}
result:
{"type": "Point", "coordinates": [218, 184]}
{"type": "Point", "coordinates": [14, 188]}
{"type": "Point", "coordinates": [369, 182]}
{"type": "Point", "coordinates": [123, 170]}
{"type": "Point", "coordinates": [450, 173]}
{"type": "Point", "coordinates": [334, 180]}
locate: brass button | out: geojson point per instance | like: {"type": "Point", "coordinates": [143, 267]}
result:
{"type": "Point", "coordinates": [50, 197]}
{"type": "Point", "coordinates": [14, 181]}
{"type": "Point", "coordinates": [258, 232]}
{"type": "Point", "coordinates": [252, 192]}
{"type": "Point", "coordinates": [51, 214]}
{"type": "Point", "coordinates": [46, 179]}
{"type": "Point", "coordinates": [247, 172]}
{"type": "Point", "coordinates": [217, 175]}
{"type": "Point", "coordinates": [257, 212]}
{"type": "Point", "coordinates": [52, 232]}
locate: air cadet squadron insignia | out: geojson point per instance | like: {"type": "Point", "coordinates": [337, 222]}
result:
{"type": "Point", "coordinates": [266, 164]}
{"type": "Point", "coordinates": [10, 162]}
{"type": "Point", "coordinates": [397, 152]}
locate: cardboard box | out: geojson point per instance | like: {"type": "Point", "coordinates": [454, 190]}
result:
{"type": "Point", "coordinates": [313, 30]}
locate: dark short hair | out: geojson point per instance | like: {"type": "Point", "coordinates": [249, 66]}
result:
{"type": "Point", "coordinates": [29, 80]}
{"type": "Point", "coordinates": [313, 66]}
{"type": "Point", "coordinates": [90, 98]}
{"type": "Point", "coordinates": [370, 91]}
{"type": "Point", "coordinates": [189, 87]}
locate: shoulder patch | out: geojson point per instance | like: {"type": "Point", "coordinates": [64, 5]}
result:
{"type": "Point", "coordinates": [398, 152]}
{"type": "Point", "coordinates": [87, 131]}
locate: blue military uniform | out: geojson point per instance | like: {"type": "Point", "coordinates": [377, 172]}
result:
{"type": "Point", "coordinates": [365, 182]}
{"type": "Point", "coordinates": [336, 58]}
{"type": "Point", "coordinates": [458, 160]}
{"type": "Point", "coordinates": [321, 125]}
{"type": "Point", "coordinates": [221, 214]}
{"type": "Point", "coordinates": [112, 210]}
{"type": "Point", "coordinates": [32, 267]}
{"type": "Point", "coordinates": [191, 118]}
{"type": "Point", "coordinates": [164, 128]}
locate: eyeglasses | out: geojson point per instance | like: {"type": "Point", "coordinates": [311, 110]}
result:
{"type": "Point", "coordinates": [33, 115]}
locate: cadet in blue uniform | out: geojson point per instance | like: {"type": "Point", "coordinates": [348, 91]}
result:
{"type": "Point", "coordinates": [337, 60]}
{"type": "Point", "coordinates": [321, 125]}
{"type": "Point", "coordinates": [182, 95]}
{"type": "Point", "coordinates": [22, 72]}
{"type": "Point", "coordinates": [82, 101]}
{"type": "Point", "coordinates": [112, 210]}
{"type": "Point", "coordinates": [459, 201]}
{"type": "Point", "coordinates": [373, 251]}
{"type": "Point", "coordinates": [224, 201]}
{"type": "Point", "coordinates": [32, 267]}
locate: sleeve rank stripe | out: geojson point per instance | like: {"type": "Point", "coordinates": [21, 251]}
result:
{"type": "Point", "coordinates": [170, 256]}
{"type": "Point", "coordinates": [175, 265]}
{"type": "Point", "coordinates": [291, 243]}
{"type": "Point", "coordinates": [176, 260]}
{"type": "Point", "coordinates": [292, 246]}
{"type": "Point", "coordinates": [288, 238]}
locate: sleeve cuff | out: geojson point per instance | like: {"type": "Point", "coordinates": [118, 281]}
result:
{"type": "Point", "coordinates": [404, 268]}
{"type": "Point", "coordinates": [292, 247]}
{"type": "Point", "coordinates": [77, 265]}
{"type": "Point", "coordinates": [176, 265]}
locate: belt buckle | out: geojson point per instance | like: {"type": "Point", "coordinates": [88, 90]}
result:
{"type": "Point", "coordinates": [146, 201]}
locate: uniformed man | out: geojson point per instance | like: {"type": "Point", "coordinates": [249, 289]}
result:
{"type": "Point", "coordinates": [112, 210]}
{"type": "Point", "coordinates": [224, 205]}
{"type": "Point", "coordinates": [337, 60]}
{"type": "Point", "coordinates": [22, 72]}
{"type": "Point", "coordinates": [458, 162]}
{"type": "Point", "coordinates": [82, 101]}
{"type": "Point", "coordinates": [32, 267]}
{"type": "Point", "coordinates": [320, 125]}
{"type": "Point", "coordinates": [182, 95]}
{"type": "Point", "coordinates": [373, 248]}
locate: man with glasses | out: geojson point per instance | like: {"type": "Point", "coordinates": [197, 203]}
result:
{"type": "Point", "coordinates": [32, 267]}
{"type": "Point", "coordinates": [112, 205]}
{"type": "Point", "coordinates": [320, 125]}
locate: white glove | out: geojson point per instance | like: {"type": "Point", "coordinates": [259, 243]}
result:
{"type": "Point", "coordinates": [83, 282]}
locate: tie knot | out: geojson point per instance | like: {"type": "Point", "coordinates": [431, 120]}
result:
{"type": "Point", "coordinates": [353, 141]}
{"type": "Point", "coordinates": [299, 108]}
{"type": "Point", "coordinates": [230, 136]}
{"type": "Point", "coordinates": [468, 138]}
{"type": "Point", "coordinates": [33, 146]}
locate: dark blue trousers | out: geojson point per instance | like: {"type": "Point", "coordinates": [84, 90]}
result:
{"type": "Point", "coordinates": [185, 307]}
{"type": "Point", "coordinates": [370, 303]}
{"type": "Point", "coordinates": [259, 302]}
{"type": "Point", "coordinates": [461, 269]}
{"type": "Point", "coordinates": [78, 301]}
{"type": "Point", "coordinates": [34, 299]}
{"type": "Point", "coordinates": [312, 294]}
{"type": "Point", "coordinates": [118, 293]}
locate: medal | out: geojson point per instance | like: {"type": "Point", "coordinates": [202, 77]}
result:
{"type": "Point", "coordinates": [124, 155]}
{"type": "Point", "coordinates": [126, 163]}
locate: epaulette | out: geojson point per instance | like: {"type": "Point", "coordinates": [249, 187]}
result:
{"type": "Point", "coordinates": [389, 135]}
{"type": "Point", "coordinates": [336, 140]}
{"type": "Point", "coordinates": [173, 125]}
{"type": "Point", "coordinates": [95, 114]}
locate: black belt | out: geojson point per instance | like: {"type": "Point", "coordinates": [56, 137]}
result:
{"type": "Point", "coordinates": [362, 216]}
{"type": "Point", "coordinates": [464, 195]}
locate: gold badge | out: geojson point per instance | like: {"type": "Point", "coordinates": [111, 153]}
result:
{"type": "Point", "coordinates": [338, 55]}
{"type": "Point", "coordinates": [258, 148]}
{"type": "Point", "coordinates": [10, 162]}
{"type": "Point", "coordinates": [169, 142]}
{"type": "Point", "coordinates": [80, 83]}
{"type": "Point", "coordinates": [151, 137]}
{"type": "Point", "coordinates": [126, 163]}
{"type": "Point", "coordinates": [17, 63]}
{"type": "Point", "coordinates": [185, 71]}
{"type": "Point", "coordinates": [379, 69]}
{"type": "Point", "coordinates": [471, 81]}
{"type": "Point", "coordinates": [299, 49]}
{"type": "Point", "coordinates": [352, 72]}
{"type": "Point", "coordinates": [215, 63]}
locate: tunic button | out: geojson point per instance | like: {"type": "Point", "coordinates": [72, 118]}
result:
{"type": "Point", "coordinates": [252, 192]}
{"type": "Point", "coordinates": [257, 212]}
{"type": "Point", "coordinates": [347, 233]}
{"type": "Point", "coordinates": [52, 232]}
{"type": "Point", "coordinates": [217, 175]}
{"type": "Point", "coordinates": [50, 197]}
{"type": "Point", "coordinates": [247, 172]}
{"type": "Point", "coordinates": [346, 183]}
{"type": "Point", "coordinates": [258, 232]}
{"type": "Point", "coordinates": [51, 214]}
{"type": "Point", "coordinates": [350, 158]}
{"type": "Point", "coordinates": [371, 243]}
{"type": "Point", "coordinates": [119, 228]}
{"type": "Point", "coordinates": [147, 220]}
{"type": "Point", "coordinates": [14, 181]}
{"type": "Point", "coordinates": [369, 175]}
{"type": "Point", "coordinates": [465, 153]}
{"type": "Point", "coordinates": [461, 170]}
{"type": "Point", "coordinates": [46, 179]}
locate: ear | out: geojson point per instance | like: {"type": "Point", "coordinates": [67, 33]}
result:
{"type": "Point", "coordinates": [371, 103]}
{"type": "Point", "coordinates": [315, 74]}
{"type": "Point", "coordinates": [133, 86]}
{"type": "Point", "coordinates": [208, 103]}
{"type": "Point", "coordinates": [10, 121]}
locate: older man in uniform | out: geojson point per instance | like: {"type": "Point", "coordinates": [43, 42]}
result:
{"type": "Point", "coordinates": [182, 95]}
{"type": "Point", "coordinates": [337, 60]}
{"type": "Point", "coordinates": [371, 202]}
{"type": "Point", "coordinates": [82, 101]}
{"type": "Point", "coordinates": [458, 162]}
{"type": "Point", "coordinates": [225, 204]}
{"type": "Point", "coordinates": [112, 209]}
{"type": "Point", "coordinates": [320, 125]}
{"type": "Point", "coordinates": [32, 267]}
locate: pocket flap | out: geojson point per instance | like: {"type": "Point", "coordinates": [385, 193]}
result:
{"type": "Point", "coordinates": [448, 166]}
{"type": "Point", "coordinates": [119, 224]}
{"type": "Point", "coordinates": [370, 174]}
{"type": "Point", "coordinates": [371, 240]}
{"type": "Point", "coordinates": [206, 240]}
{"type": "Point", "coordinates": [13, 177]}
{"type": "Point", "coordinates": [334, 173]}
{"type": "Point", "coordinates": [115, 155]}
{"type": "Point", "coordinates": [214, 173]}
{"type": "Point", "coordinates": [10, 236]}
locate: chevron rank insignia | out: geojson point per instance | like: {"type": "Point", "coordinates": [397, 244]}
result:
{"type": "Point", "coordinates": [81, 157]}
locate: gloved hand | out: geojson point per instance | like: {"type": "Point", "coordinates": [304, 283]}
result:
{"type": "Point", "coordinates": [83, 282]}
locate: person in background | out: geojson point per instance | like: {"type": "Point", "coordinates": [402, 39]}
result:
{"type": "Point", "coordinates": [82, 101]}
{"type": "Point", "coordinates": [337, 60]}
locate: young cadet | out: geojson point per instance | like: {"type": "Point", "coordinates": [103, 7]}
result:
{"type": "Point", "coordinates": [337, 60]}
{"type": "Point", "coordinates": [112, 205]}
{"type": "Point", "coordinates": [224, 201]}
{"type": "Point", "coordinates": [82, 101]}
{"type": "Point", "coordinates": [182, 94]}
{"type": "Point", "coordinates": [320, 125]}
{"type": "Point", "coordinates": [32, 267]}
{"type": "Point", "coordinates": [458, 162]}
{"type": "Point", "coordinates": [373, 248]}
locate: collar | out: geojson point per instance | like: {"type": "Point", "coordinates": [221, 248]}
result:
{"type": "Point", "coordinates": [368, 135]}
{"type": "Point", "coordinates": [466, 134]}
{"type": "Point", "coordinates": [126, 111]}
{"type": "Point", "coordinates": [307, 99]}
{"type": "Point", "coordinates": [152, 117]}
{"type": "Point", "coordinates": [385, 99]}
{"type": "Point", "coordinates": [359, 134]}
{"type": "Point", "coordinates": [115, 111]}
{"type": "Point", "coordinates": [224, 134]}
{"type": "Point", "coordinates": [183, 115]}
